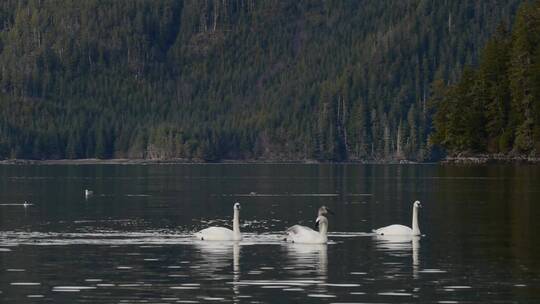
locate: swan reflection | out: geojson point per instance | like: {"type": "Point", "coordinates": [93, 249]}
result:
{"type": "Point", "coordinates": [400, 245]}
{"type": "Point", "coordinates": [216, 256]}
{"type": "Point", "coordinates": [308, 258]}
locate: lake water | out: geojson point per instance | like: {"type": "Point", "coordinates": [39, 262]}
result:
{"type": "Point", "coordinates": [131, 241]}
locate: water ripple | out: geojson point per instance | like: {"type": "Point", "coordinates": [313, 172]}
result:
{"type": "Point", "coordinates": [14, 238]}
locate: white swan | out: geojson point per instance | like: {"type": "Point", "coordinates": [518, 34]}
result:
{"type": "Point", "coordinates": [401, 229]}
{"type": "Point", "coordinates": [88, 193]}
{"type": "Point", "coordinates": [306, 235]}
{"type": "Point", "coordinates": [221, 233]}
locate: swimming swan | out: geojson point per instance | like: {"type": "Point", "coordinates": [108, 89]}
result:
{"type": "Point", "coordinates": [401, 229]}
{"type": "Point", "coordinates": [88, 193]}
{"type": "Point", "coordinates": [306, 235]}
{"type": "Point", "coordinates": [221, 233]}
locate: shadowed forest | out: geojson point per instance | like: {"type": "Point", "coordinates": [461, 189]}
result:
{"type": "Point", "coordinates": [268, 80]}
{"type": "Point", "coordinates": [495, 108]}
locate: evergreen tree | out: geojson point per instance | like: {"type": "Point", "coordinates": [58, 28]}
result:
{"type": "Point", "coordinates": [495, 107]}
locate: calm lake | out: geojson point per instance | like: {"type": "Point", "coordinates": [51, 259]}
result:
{"type": "Point", "coordinates": [130, 242]}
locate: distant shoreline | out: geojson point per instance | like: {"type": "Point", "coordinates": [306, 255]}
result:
{"type": "Point", "coordinates": [490, 159]}
{"type": "Point", "coordinates": [465, 160]}
{"type": "Point", "coordinates": [128, 161]}
{"type": "Point", "coordinates": [96, 161]}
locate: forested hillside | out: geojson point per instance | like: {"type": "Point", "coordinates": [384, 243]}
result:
{"type": "Point", "coordinates": [231, 79]}
{"type": "Point", "coordinates": [495, 108]}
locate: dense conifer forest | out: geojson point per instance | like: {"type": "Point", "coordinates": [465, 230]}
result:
{"type": "Point", "coordinates": [495, 108]}
{"type": "Point", "coordinates": [210, 80]}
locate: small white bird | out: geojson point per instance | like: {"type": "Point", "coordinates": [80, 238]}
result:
{"type": "Point", "coordinates": [306, 235]}
{"type": "Point", "coordinates": [401, 229]}
{"type": "Point", "coordinates": [26, 204]}
{"type": "Point", "coordinates": [222, 233]}
{"type": "Point", "coordinates": [88, 193]}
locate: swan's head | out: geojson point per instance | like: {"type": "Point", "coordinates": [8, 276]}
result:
{"type": "Point", "coordinates": [325, 211]}
{"type": "Point", "coordinates": [417, 204]}
{"type": "Point", "coordinates": [236, 206]}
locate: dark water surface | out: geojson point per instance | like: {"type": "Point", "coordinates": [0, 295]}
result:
{"type": "Point", "coordinates": [131, 241]}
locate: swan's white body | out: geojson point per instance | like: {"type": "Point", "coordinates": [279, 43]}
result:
{"type": "Point", "coordinates": [401, 229]}
{"type": "Point", "coordinates": [305, 235]}
{"type": "Point", "coordinates": [222, 233]}
{"type": "Point", "coordinates": [395, 230]}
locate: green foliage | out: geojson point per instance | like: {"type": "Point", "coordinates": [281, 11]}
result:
{"type": "Point", "coordinates": [246, 79]}
{"type": "Point", "coordinates": [494, 108]}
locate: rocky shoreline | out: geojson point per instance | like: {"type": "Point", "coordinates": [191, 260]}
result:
{"type": "Point", "coordinates": [490, 159]}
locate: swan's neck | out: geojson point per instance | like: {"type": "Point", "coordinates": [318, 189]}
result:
{"type": "Point", "coordinates": [236, 223]}
{"type": "Point", "coordinates": [415, 228]}
{"type": "Point", "coordinates": [323, 227]}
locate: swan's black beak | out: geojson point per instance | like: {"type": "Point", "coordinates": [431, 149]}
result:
{"type": "Point", "coordinates": [330, 211]}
